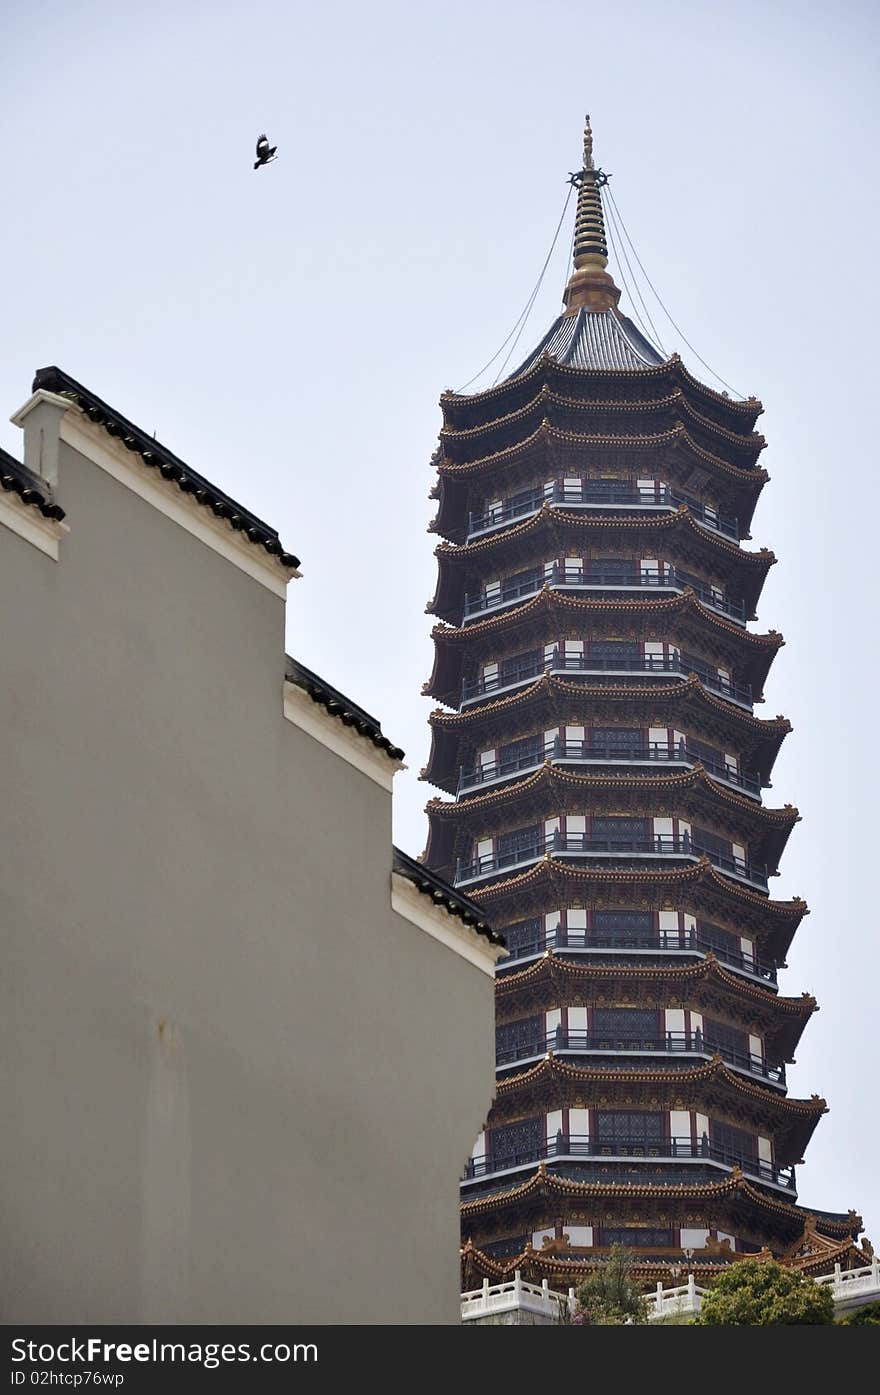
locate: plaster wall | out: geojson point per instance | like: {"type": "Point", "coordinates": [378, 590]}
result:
{"type": "Point", "coordinates": [222, 1055]}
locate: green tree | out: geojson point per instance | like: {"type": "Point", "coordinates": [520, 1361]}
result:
{"type": "Point", "coordinates": [761, 1293]}
{"type": "Point", "coordinates": [869, 1316]}
{"type": "Point", "coordinates": [611, 1296]}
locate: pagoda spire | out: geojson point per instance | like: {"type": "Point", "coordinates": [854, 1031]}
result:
{"type": "Point", "coordinates": [590, 286]}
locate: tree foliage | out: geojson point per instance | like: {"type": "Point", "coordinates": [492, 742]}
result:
{"type": "Point", "coordinates": [761, 1293]}
{"type": "Point", "coordinates": [611, 1297]}
{"type": "Point", "coordinates": [869, 1316]}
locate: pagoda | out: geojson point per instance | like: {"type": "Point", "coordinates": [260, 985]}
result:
{"type": "Point", "coordinates": [598, 739]}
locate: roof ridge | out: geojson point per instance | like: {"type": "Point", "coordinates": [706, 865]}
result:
{"type": "Point", "coordinates": [154, 455]}
{"type": "Point", "coordinates": [680, 517]}
{"type": "Point", "coordinates": [554, 1065]}
{"type": "Point", "coordinates": [695, 872]}
{"type": "Point", "coordinates": [709, 967]}
{"type": "Point", "coordinates": [682, 688]}
{"type": "Point", "coordinates": [547, 595]}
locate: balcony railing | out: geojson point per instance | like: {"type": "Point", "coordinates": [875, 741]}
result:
{"type": "Point", "coordinates": [579, 1146]}
{"type": "Point", "coordinates": [586, 665]}
{"type": "Point", "coordinates": [595, 495]}
{"type": "Point", "coordinates": [640, 1043]}
{"type": "Point", "coordinates": [605, 753]}
{"type": "Point", "coordinates": [590, 845]}
{"type": "Point", "coordinates": [664, 941]}
{"type": "Point", "coordinates": [560, 577]}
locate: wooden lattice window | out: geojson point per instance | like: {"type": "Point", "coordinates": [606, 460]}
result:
{"type": "Point", "coordinates": [630, 1130]}
{"type": "Point", "coordinates": [504, 1249]}
{"type": "Point", "coordinates": [703, 751]}
{"type": "Point", "coordinates": [725, 1038]}
{"type": "Point", "coordinates": [516, 754]}
{"type": "Point", "coordinates": [614, 649]}
{"type": "Point", "coordinates": [623, 569]}
{"type": "Point", "coordinates": [524, 1037]}
{"type": "Point", "coordinates": [617, 739]}
{"type": "Point", "coordinates": [734, 1142]}
{"type": "Point", "coordinates": [624, 923]}
{"type": "Point", "coordinates": [718, 938]}
{"type": "Point", "coordinates": [712, 842]}
{"type": "Point", "coordinates": [618, 827]}
{"type": "Point", "coordinates": [521, 1142]}
{"type": "Point", "coordinates": [517, 666]}
{"type": "Point", "coordinates": [637, 1237]}
{"type": "Point", "coordinates": [691, 661]}
{"type": "Point", "coordinates": [521, 580]}
{"type": "Point", "coordinates": [607, 485]}
{"type": "Point", "coordinates": [523, 934]}
{"type": "Point", "coordinates": [630, 1025]}
{"type": "Point", "coordinates": [519, 840]}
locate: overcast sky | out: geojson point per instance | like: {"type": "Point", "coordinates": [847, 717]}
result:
{"type": "Point", "coordinates": [288, 332]}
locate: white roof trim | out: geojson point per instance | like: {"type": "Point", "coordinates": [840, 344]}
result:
{"type": "Point", "coordinates": [343, 741]}
{"type": "Point", "coordinates": [128, 469]}
{"type": "Point", "coordinates": [27, 521]}
{"type": "Point", "coordinates": [41, 395]}
{"type": "Point", "coordinates": [442, 925]}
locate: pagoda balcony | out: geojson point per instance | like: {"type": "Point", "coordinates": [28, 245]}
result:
{"type": "Point", "coordinates": [585, 665]}
{"type": "Point", "coordinates": [664, 943]}
{"type": "Point", "coordinates": [597, 496]}
{"type": "Point", "coordinates": [686, 1044]}
{"type": "Point", "coordinates": [590, 753]}
{"type": "Point", "coordinates": [562, 578]}
{"type": "Point", "coordinates": [573, 1147]}
{"type": "Point", "coordinates": [586, 845]}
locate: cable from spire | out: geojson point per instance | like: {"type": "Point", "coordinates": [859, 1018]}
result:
{"type": "Point", "coordinates": [568, 261]}
{"type": "Point", "coordinates": [656, 293]}
{"type": "Point", "coordinates": [526, 310]}
{"type": "Point", "coordinates": [535, 291]}
{"type": "Point", "coordinates": [630, 290]}
{"type": "Point", "coordinates": [619, 247]}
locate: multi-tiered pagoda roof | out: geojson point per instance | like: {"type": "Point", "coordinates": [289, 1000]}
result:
{"type": "Point", "coordinates": [601, 771]}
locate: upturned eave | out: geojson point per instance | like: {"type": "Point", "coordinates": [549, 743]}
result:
{"type": "Point", "coordinates": [697, 888]}
{"type": "Point", "coordinates": [518, 714]}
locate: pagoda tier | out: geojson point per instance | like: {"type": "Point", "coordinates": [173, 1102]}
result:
{"type": "Point", "coordinates": [592, 383]}
{"type": "Point", "coordinates": [578, 634]}
{"type": "Point", "coordinates": [571, 814]}
{"type": "Point", "coordinates": [583, 548]}
{"type": "Point", "coordinates": [550, 1226]}
{"type": "Point", "coordinates": [645, 416]}
{"type": "Point", "coordinates": [607, 1097]}
{"type": "Point", "coordinates": [571, 906]}
{"type": "Point", "coordinates": [757, 1029]}
{"type": "Point", "coordinates": [680, 709]}
{"type": "Point", "coordinates": [606, 769]}
{"type": "Point", "coordinates": [672, 461]}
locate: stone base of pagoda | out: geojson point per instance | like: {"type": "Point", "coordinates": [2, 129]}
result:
{"type": "Point", "coordinates": [550, 1274]}
{"type": "Point", "coordinates": [540, 1291]}
{"type": "Point", "coordinates": [515, 1303]}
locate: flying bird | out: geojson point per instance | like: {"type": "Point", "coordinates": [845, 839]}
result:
{"type": "Point", "coordinates": [265, 152]}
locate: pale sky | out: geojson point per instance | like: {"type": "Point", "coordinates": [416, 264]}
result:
{"type": "Point", "coordinates": [288, 332]}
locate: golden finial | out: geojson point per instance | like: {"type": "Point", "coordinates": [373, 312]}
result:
{"type": "Point", "coordinates": [590, 287]}
{"type": "Point", "coordinates": [588, 144]}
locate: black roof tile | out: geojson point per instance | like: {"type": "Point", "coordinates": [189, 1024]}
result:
{"type": "Point", "coordinates": [170, 466]}
{"type": "Point", "coordinates": [442, 894]}
{"type": "Point", "coordinates": [338, 705]}
{"type": "Point", "coordinates": [17, 479]}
